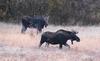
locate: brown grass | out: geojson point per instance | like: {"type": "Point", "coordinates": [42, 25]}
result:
{"type": "Point", "coordinates": [15, 46]}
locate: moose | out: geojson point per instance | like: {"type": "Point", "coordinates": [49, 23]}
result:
{"type": "Point", "coordinates": [59, 37]}
{"type": "Point", "coordinates": [37, 22]}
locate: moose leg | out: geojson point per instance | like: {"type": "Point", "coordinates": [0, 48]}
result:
{"type": "Point", "coordinates": [67, 45]}
{"type": "Point", "coordinates": [23, 29]}
{"type": "Point", "coordinates": [72, 42]}
{"type": "Point", "coordinates": [39, 30]}
{"type": "Point", "coordinates": [41, 42]}
{"type": "Point", "coordinates": [60, 46]}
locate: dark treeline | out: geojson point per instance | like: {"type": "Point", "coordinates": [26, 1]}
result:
{"type": "Point", "coordinates": [60, 12]}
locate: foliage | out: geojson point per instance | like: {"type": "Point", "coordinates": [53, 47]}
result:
{"type": "Point", "coordinates": [60, 12]}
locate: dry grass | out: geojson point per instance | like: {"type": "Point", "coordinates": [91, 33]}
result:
{"type": "Point", "coordinates": [15, 46]}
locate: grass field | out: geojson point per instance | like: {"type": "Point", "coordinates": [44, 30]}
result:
{"type": "Point", "coordinates": [15, 46]}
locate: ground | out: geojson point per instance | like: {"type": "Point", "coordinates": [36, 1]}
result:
{"type": "Point", "coordinates": [15, 46]}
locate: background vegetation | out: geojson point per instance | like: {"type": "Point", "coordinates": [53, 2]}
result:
{"type": "Point", "coordinates": [60, 12]}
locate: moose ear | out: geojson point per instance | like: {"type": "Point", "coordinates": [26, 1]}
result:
{"type": "Point", "coordinates": [75, 32]}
